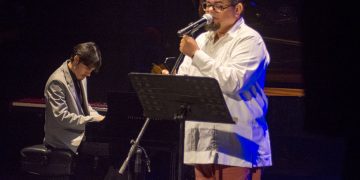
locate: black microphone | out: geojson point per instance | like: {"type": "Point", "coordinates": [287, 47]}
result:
{"type": "Point", "coordinates": [205, 19]}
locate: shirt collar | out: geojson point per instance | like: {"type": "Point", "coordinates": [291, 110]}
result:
{"type": "Point", "coordinates": [236, 26]}
{"type": "Point", "coordinates": [73, 76]}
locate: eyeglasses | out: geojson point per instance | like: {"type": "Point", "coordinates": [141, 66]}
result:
{"type": "Point", "coordinates": [216, 7]}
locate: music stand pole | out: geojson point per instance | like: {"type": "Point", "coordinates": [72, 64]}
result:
{"type": "Point", "coordinates": [181, 147]}
{"type": "Point", "coordinates": [181, 117]}
{"type": "Point", "coordinates": [134, 147]}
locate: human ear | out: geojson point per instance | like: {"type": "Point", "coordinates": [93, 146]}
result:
{"type": "Point", "coordinates": [239, 8]}
{"type": "Point", "coordinates": [76, 59]}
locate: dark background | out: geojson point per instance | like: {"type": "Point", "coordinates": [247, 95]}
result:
{"type": "Point", "coordinates": [37, 36]}
{"type": "Point", "coordinates": [311, 46]}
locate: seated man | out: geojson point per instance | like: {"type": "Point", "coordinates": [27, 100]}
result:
{"type": "Point", "coordinates": [67, 108]}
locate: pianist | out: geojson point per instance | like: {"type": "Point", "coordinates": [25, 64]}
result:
{"type": "Point", "coordinates": [67, 108]}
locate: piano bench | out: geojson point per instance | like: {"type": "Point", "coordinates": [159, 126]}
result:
{"type": "Point", "coordinates": [39, 160]}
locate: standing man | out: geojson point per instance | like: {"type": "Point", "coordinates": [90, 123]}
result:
{"type": "Point", "coordinates": [67, 108]}
{"type": "Point", "coordinates": [236, 56]}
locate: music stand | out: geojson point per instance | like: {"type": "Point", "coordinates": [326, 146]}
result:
{"type": "Point", "coordinates": [180, 98]}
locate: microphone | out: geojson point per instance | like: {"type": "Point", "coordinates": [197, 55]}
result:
{"type": "Point", "coordinates": [205, 19]}
{"type": "Point", "coordinates": [138, 160]}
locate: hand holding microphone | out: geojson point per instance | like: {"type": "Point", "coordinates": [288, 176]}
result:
{"type": "Point", "coordinates": [205, 19]}
{"type": "Point", "coordinates": [188, 45]}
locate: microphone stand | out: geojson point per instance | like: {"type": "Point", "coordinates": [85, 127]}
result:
{"type": "Point", "coordinates": [177, 63]}
{"type": "Point", "coordinates": [134, 147]}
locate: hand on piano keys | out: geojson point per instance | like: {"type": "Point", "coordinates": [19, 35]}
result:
{"type": "Point", "coordinates": [99, 118]}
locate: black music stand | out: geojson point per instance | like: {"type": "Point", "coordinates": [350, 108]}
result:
{"type": "Point", "coordinates": [180, 98]}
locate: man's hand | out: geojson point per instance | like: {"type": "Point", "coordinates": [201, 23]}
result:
{"type": "Point", "coordinates": [165, 72]}
{"type": "Point", "coordinates": [99, 118]}
{"type": "Point", "coordinates": [188, 46]}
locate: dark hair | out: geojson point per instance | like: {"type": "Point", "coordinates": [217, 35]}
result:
{"type": "Point", "coordinates": [235, 2]}
{"type": "Point", "coordinates": [89, 54]}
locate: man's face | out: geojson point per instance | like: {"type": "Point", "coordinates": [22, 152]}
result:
{"type": "Point", "coordinates": [223, 14]}
{"type": "Point", "coordinates": [82, 71]}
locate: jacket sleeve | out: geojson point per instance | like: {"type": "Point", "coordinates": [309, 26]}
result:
{"type": "Point", "coordinates": [58, 107]}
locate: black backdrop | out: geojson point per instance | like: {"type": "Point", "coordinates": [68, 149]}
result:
{"type": "Point", "coordinates": [38, 36]}
{"type": "Point", "coordinates": [330, 73]}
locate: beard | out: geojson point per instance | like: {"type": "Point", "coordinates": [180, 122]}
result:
{"type": "Point", "coordinates": [212, 26]}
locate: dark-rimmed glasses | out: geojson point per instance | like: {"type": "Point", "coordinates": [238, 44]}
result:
{"type": "Point", "coordinates": [217, 7]}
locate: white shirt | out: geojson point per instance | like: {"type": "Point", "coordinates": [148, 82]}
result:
{"type": "Point", "coordinates": [238, 61]}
